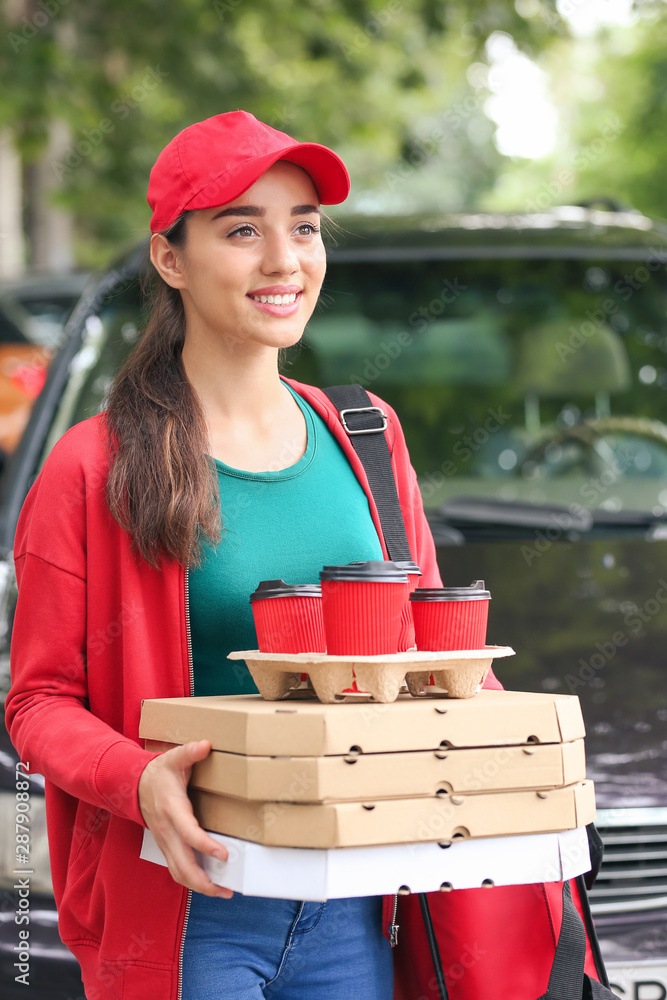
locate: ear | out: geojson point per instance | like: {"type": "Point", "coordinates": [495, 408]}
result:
{"type": "Point", "coordinates": [166, 261]}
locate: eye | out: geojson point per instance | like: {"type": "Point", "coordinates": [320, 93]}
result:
{"type": "Point", "coordinates": [245, 230]}
{"type": "Point", "coordinates": [307, 229]}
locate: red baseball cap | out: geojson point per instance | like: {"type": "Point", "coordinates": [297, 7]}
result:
{"type": "Point", "coordinates": [212, 162]}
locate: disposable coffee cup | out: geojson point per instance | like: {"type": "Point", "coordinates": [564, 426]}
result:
{"type": "Point", "coordinates": [406, 639]}
{"type": "Point", "coordinates": [451, 617]}
{"type": "Point", "coordinates": [362, 606]}
{"type": "Point", "coordinates": [288, 617]}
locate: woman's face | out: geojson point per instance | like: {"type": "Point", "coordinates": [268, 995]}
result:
{"type": "Point", "coordinates": [251, 270]}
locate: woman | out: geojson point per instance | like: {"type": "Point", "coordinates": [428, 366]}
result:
{"type": "Point", "coordinates": [136, 551]}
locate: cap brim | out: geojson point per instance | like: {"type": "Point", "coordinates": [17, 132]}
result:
{"type": "Point", "coordinates": [326, 170]}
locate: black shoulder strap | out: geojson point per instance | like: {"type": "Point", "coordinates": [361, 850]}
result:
{"type": "Point", "coordinates": [567, 980]}
{"type": "Point", "coordinates": [365, 424]}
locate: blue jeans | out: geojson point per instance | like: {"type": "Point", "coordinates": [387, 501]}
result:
{"type": "Point", "coordinates": [250, 948]}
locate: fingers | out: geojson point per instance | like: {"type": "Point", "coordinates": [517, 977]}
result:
{"type": "Point", "coordinates": [169, 815]}
{"type": "Point", "coordinates": [179, 848]}
{"type": "Point", "coordinates": [191, 833]}
{"type": "Point", "coordinates": [187, 754]}
{"type": "Point", "coordinates": [184, 869]}
{"type": "Point", "coordinates": [191, 752]}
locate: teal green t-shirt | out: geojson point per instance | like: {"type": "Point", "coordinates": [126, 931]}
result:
{"type": "Point", "coordinates": [276, 525]}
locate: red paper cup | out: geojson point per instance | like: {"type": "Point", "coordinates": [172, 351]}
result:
{"type": "Point", "coordinates": [288, 619]}
{"type": "Point", "coordinates": [406, 639]}
{"type": "Point", "coordinates": [451, 617]}
{"type": "Point", "coordinates": [362, 606]}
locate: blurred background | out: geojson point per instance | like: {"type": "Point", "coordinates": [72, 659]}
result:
{"type": "Point", "coordinates": [499, 277]}
{"type": "Point", "coordinates": [443, 106]}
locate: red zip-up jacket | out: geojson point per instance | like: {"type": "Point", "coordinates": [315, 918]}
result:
{"type": "Point", "coordinates": [96, 630]}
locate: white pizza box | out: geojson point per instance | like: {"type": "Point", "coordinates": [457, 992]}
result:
{"type": "Point", "coordinates": [317, 874]}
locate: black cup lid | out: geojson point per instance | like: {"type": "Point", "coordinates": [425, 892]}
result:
{"type": "Point", "coordinates": [278, 588]}
{"type": "Point", "coordinates": [373, 571]}
{"type": "Point", "coordinates": [409, 567]}
{"type": "Point", "coordinates": [475, 592]}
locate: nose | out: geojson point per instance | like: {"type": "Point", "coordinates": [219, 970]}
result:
{"type": "Point", "coordinates": [280, 255]}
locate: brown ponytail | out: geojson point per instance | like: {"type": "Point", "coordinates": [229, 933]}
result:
{"type": "Point", "coordinates": [161, 487]}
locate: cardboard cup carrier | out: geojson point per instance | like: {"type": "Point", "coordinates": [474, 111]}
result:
{"type": "Point", "coordinates": [355, 642]}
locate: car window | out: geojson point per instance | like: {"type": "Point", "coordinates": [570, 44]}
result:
{"type": "Point", "coordinates": [519, 379]}
{"type": "Point", "coordinates": [107, 341]}
{"type": "Point", "coordinates": [12, 324]}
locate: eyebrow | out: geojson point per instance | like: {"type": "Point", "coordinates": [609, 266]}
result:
{"type": "Point", "coordinates": [255, 210]}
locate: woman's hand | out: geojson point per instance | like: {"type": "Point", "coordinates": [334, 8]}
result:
{"type": "Point", "coordinates": [167, 810]}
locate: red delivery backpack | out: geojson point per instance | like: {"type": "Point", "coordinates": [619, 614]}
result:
{"type": "Point", "coordinates": [515, 942]}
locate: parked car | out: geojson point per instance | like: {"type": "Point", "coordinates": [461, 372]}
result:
{"type": "Point", "coordinates": [23, 366]}
{"type": "Point", "coordinates": [33, 313]}
{"type": "Point", "coordinates": [526, 356]}
{"type": "Point", "coordinates": [46, 302]}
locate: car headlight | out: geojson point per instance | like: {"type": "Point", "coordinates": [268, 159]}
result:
{"type": "Point", "coordinates": [35, 850]}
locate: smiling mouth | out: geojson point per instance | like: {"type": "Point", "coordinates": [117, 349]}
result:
{"type": "Point", "coordinates": [277, 300]}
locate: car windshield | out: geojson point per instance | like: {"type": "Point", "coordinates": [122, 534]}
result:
{"type": "Point", "coordinates": [525, 381]}
{"type": "Point", "coordinates": [522, 380]}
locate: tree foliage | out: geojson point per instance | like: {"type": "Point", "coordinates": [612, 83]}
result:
{"type": "Point", "coordinates": [611, 94]}
{"type": "Point", "coordinates": [127, 75]}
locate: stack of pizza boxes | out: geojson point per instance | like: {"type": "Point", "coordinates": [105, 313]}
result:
{"type": "Point", "coordinates": [417, 771]}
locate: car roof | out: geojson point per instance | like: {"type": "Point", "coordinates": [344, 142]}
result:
{"type": "Point", "coordinates": [37, 286]}
{"type": "Point", "coordinates": [564, 231]}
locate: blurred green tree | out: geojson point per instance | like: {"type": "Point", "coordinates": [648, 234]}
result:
{"type": "Point", "coordinates": [92, 92]}
{"type": "Point", "coordinates": [610, 90]}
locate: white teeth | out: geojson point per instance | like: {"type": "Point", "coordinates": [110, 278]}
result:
{"type": "Point", "coordinates": [277, 300]}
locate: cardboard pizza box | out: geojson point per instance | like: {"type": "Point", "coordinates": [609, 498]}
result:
{"type": "Point", "coordinates": [246, 724]}
{"type": "Point", "coordinates": [381, 775]}
{"type": "Point", "coordinates": [441, 818]}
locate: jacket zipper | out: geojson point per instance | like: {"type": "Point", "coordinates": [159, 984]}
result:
{"type": "Point", "coordinates": [188, 635]}
{"type": "Point", "coordinates": [393, 926]}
